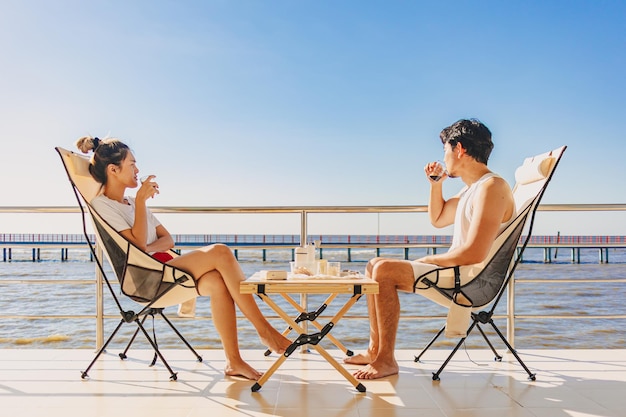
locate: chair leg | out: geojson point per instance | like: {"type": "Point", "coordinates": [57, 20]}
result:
{"type": "Point", "coordinates": [531, 376]}
{"type": "Point", "coordinates": [497, 358]}
{"type": "Point", "coordinates": [181, 336]}
{"type": "Point", "coordinates": [84, 374]}
{"type": "Point", "coordinates": [417, 358]}
{"type": "Point", "coordinates": [132, 339]}
{"type": "Point", "coordinates": [173, 375]}
{"type": "Point", "coordinates": [458, 345]}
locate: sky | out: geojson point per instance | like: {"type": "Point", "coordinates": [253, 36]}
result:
{"type": "Point", "coordinates": [329, 103]}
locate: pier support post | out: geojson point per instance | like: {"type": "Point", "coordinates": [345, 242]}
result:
{"type": "Point", "coordinates": [264, 255]}
{"type": "Point", "coordinates": [406, 254]}
{"type": "Point", "coordinates": [547, 255]}
{"type": "Point", "coordinates": [321, 253]}
{"type": "Point", "coordinates": [236, 251]}
{"type": "Point", "coordinates": [576, 255]}
{"type": "Point", "coordinates": [349, 255]}
{"type": "Point", "coordinates": [378, 252]}
{"type": "Point", "coordinates": [604, 255]}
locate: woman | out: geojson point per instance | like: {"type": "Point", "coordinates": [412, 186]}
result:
{"type": "Point", "coordinates": [215, 269]}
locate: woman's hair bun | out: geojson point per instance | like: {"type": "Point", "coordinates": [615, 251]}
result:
{"type": "Point", "coordinates": [87, 143]}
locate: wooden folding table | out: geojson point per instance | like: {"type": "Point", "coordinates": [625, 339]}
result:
{"type": "Point", "coordinates": [355, 286]}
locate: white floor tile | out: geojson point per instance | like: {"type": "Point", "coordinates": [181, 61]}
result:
{"type": "Point", "coordinates": [570, 383]}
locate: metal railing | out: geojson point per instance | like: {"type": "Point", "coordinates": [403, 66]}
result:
{"type": "Point", "coordinates": [304, 212]}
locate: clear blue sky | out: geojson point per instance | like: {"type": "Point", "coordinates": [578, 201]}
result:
{"type": "Point", "coordinates": [293, 103]}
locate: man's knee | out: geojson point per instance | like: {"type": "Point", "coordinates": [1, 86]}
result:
{"type": "Point", "coordinates": [371, 264]}
{"type": "Point", "coordinates": [392, 270]}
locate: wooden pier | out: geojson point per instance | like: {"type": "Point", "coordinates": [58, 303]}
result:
{"type": "Point", "coordinates": [550, 245]}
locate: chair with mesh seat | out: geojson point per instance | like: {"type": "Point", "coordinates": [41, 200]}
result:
{"type": "Point", "coordinates": [480, 287]}
{"type": "Point", "coordinates": [152, 284]}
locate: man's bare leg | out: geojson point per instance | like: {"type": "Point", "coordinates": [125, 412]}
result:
{"type": "Point", "coordinates": [368, 356]}
{"type": "Point", "coordinates": [372, 350]}
{"type": "Point", "coordinates": [391, 275]}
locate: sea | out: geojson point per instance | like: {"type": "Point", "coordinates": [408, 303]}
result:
{"type": "Point", "coordinates": [572, 299]}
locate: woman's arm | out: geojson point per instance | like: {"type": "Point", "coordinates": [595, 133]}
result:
{"type": "Point", "coordinates": [138, 233]}
{"type": "Point", "coordinates": [163, 243]}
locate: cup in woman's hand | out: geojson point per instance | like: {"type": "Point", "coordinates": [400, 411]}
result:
{"type": "Point", "coordinates": [149, 180]}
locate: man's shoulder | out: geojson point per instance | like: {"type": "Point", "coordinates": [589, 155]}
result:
{"type": "Point", "coordinates": [496, 186]}
{"type": "Point", "coordinates": [495, 180]}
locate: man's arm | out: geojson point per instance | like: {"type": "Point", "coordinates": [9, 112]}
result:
{"type": "Point", "coordinates": [493, 205]}
{"type": "Point", "coordinates": [441, 212]}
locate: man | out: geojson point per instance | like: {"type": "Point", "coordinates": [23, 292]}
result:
{"type": "Point", "coordinates": [479, 212]}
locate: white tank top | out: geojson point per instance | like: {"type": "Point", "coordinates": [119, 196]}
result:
{"type": "Point", "coordinates": [465, 211]}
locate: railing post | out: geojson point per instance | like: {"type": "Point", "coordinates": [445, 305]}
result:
{"type": "Point", "coordinates": [510, 312]}
{"type": "Point", "coordinates": [304, 301]}
{"type": "Point", "coordinates": [303, 227]}
{"type": "Point", "coordinates": [99, 300]}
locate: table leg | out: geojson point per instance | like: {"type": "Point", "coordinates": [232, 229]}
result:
{"type": "Point", "coordinates": [312, 316]}
{"type": "Point", "coordinates": [343, 371]}
{"type": "Point", "coordinates": [310, 339]}
{"type": "Point", "coordinates": [257, 385]}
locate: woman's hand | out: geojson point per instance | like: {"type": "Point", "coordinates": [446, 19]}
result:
{"type": "Point", "coordinates": [149, 188]}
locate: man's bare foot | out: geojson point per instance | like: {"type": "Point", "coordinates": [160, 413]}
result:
{"type": "Point", "coordinates": [360, 359]}
{"type": "Point", "coordinates": [242, 369]}
{"type": "Point", "coordinates": [376, 370]}
{"type": "Point", "coordinates": [275, 341]}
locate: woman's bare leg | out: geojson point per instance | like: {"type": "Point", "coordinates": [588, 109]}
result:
{"type": "Point", "coordinates": [220, 258]}
{"type": "Point", "coordinates": [225, 321]}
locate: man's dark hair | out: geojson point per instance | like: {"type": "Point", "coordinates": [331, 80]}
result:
{"type": "Point", "coordinates": [474, 136]}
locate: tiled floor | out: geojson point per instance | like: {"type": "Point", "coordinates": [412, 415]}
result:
{"type": "Point", "coordinates": [570, 383]}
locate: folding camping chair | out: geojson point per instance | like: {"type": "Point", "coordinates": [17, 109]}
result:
{"type": "Point", "coordinates": [484, 284]}
{"type": "Point", "coordinates": [153, 284]}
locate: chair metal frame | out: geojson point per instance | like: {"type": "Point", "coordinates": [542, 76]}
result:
{"type": "Point", "coordinates": [524, 216]}
{"type": "Point", "coordinates": [171, 291]}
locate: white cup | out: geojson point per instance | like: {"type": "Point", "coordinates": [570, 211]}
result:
{"type": "Point", "coordinates": [334, 269]}
{"type": "Point", "coordinates": [322, 267]}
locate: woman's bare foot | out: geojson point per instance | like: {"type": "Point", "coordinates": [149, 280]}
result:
{"type": "Point", "coordinates": [241, 368]}
{"type": "Point", "coordinates": [360, 359]}
{"type": "Point", "coordinates": [376, 370]}
{"type": "Point", "coordinates": [275, 341]}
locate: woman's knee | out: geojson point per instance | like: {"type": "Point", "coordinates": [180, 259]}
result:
{"type": "Point", "coordinates": [212, 284]}
{"type": "Point", "coordinates": [218, 249]}
{"type": "Point", "coordinates": [218, 254]}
